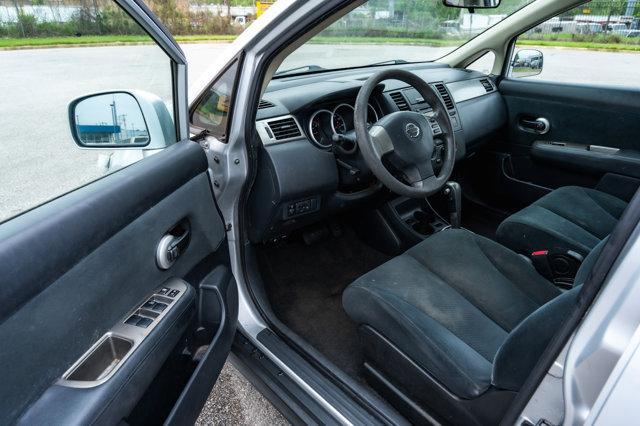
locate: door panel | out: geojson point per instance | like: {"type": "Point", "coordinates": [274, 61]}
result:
{"type": "Point", "coordinates": [593, 133]}
{"type": "Point", "coordinates": [79, 266]}
{"type": "Point", "coordinates": [581, 114]}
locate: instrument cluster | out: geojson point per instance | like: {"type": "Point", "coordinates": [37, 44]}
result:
{"type": "Point", "coordinates": [339, 120]}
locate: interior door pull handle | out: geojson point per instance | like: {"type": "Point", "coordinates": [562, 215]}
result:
{"type": "Point", "coordinates": [171, 246]}
{"type": "Point", "coordinates": [539, 125]}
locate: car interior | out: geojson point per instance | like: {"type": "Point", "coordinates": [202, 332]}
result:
{"type": "Point", "coordinates": [424, 228]}
{"type": "Point", "coordinates": [417, 231]}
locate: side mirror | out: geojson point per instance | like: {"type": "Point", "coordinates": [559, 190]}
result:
{"type": "Point", "coordinates": [472, 4]}
{"type": "Point", "coordinates": [526, 63]}
{"type": "Point", "coordinates": [121, 120]}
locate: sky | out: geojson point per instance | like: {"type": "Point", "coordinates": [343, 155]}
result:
{"type": "Point", "coordinates": [97, 110]}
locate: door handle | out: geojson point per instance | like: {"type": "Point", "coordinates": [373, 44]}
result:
{"type": "Point", "coordinates": [172, 245]}
{"type": "Point", "coordinates": [537, 125]}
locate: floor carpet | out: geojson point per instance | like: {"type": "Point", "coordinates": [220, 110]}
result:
{"type": "Point", "coordinates": [305, 283]}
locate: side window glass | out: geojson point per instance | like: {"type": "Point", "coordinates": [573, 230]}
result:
{"type": "Point", "coordinates": [594, 43]}
{"type": "Point", "coordinates": [484, 63]}
{"type": "Point", "coordinates": [47, 150]}
{"type": "Point", "coordinates": [212, 112]}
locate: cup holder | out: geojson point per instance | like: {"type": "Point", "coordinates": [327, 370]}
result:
{"type": "Point", "coordinates": [102, 359]}
{"type": "Point", "coordinates": [423, 221]}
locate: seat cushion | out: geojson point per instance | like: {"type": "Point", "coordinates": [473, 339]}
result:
{"type": "Point", "coordinates": [449, 303]}
{"type": "Point", "coordinates": [568, 218]}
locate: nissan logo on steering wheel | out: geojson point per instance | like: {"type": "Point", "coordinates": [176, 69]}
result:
{"type": "Point", "coordinates": [412, 130]}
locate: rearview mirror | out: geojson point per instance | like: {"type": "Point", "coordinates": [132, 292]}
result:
{"type": "Point", "coordinates": [121, 120]}
{"type": "Point", "coordinates": [527, 63]}
{"type": "Point", "coordinates": [472, 4]}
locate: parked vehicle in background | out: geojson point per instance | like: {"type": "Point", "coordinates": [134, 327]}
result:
{"type": "Point", "coordinates": [588, 28]}
{"type": "Point", "coordinates": [618, 28]}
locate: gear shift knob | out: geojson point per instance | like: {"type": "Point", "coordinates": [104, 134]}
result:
{"type": "Point", "coordinates": [453, 192]}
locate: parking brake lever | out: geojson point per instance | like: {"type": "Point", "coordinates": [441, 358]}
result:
{"type": "Point", "coordinates": [453, 192]}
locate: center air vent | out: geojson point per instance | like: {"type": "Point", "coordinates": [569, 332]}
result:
{"type": "Point", "coordinates": [488, 87]}
{"type": "Point", "coordinates": [285, 128]}
{"type": "Point", "coordinates": [265, 104]}
{"type": "Point", "coordinates": [400, 101]}
{"type": "Point", "coordinates": [444, 94]}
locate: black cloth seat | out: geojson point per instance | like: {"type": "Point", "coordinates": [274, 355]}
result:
{"type": "Point", "coordinates": [568, 218]}
{"type": "Point", "coordinates": [470, 313]}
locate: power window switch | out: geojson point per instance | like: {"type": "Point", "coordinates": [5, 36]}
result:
{"type": "Point", "coordinates": [159, 307]}
{"type": "Point", "coordinates": [173, 293]}
{"type": "Point", "coordinates": [149, 304]}
{"type": "Point", "coordinates": [164, 290]}
{"type": "Point", "coordinates": [133, 320]}
{"type": "Point", "coordinates": [144, 322]}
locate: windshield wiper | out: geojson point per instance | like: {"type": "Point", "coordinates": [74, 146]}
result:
{"type": "Point", "coordinates": [389, 62]}
{"type": "Point", "coordinates": [306, 68]}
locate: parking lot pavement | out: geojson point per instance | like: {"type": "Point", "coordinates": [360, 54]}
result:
{"type": "Point", "coordinates": [234, 401]}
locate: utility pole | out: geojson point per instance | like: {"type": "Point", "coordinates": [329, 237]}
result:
{"type": "Point", "coordinates": [114, 117]}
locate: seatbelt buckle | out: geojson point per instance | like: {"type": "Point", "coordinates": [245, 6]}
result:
{"type": "Point", "coordinates": [557, 265]}
{"type": "Point", "coordinates": [540, 260]}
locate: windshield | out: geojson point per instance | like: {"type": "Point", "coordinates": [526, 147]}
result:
{"type": "Point", "coordinates": [394, 31]}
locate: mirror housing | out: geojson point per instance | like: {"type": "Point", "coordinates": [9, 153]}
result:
{"type": "Point", "coordinates": [472, 4]}
{"type": "Point", "coordinates": [121, 120]}
{"type": "Point", "coordinates": [526, 63]}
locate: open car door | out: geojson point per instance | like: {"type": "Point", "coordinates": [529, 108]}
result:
{"type": "Point", "coordinates": [117, 302]}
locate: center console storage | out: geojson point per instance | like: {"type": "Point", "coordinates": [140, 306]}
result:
{"type": "Point", "coordinates": [399, 224]}
{"type": "Point", "coordinates": [418, 216]}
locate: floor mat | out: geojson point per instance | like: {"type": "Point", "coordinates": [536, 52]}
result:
{"type": "Point", "coordinates": [305, 284]}
{"type": "Point", "coordinates": [481, 220]}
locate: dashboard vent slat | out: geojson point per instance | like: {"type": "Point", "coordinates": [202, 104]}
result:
{"type": "Point", "coordinates": [286, 128]}
{"type": "Point", "coordinates": [444, 94]}
{"type": "Point", "coordinates": [265, 104]}
{"type": "Point", "coordinates": [400, 101]}
{"type": "Point", "coordinates": [488, 87]}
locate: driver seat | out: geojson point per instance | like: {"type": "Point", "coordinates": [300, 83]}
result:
{"type": "Point", "coordinates": [455, 324]}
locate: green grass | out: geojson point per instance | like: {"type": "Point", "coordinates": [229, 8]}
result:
{"type": "Point", "coordinates": [15, 43]}
{"type": "Point", "coordinates": [387, 40]}
{"type": "Point", "coordinates": [582, 45]}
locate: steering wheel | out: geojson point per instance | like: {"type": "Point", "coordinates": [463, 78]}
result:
{"type": "Point", "coordinates": [405, 139]}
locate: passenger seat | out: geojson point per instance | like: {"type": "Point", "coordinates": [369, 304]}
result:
{"type": "Point", "coordinates": [568, 218]}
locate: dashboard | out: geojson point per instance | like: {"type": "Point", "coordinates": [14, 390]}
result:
{"type": "Point", "coordinates": [309, 163]}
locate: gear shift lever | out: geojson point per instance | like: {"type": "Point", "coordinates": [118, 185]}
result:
{"type": "Point", "coordinates": [453, 192]}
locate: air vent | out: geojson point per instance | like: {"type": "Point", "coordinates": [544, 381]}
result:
{"type": "Point", "coordinates": [265, 104]}
{"type": "Point", "coordinates": [488, 87]}
{"type": "Point", "coordinates": [285, 128]}
{"type": "Point", "coordinates": [400, 101]}
{"type": "Point", "coordinates": [444, 94]}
